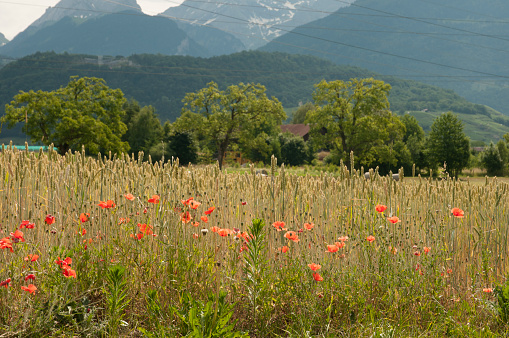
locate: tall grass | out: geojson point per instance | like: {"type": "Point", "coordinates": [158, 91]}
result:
{"type": "Point", "coordinates": [390, 286]}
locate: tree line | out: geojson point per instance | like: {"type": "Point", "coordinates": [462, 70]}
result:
{"type": "Point", "coordinates": [345, 117]}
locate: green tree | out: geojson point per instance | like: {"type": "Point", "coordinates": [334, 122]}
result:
{"type": "Point", "coordinates": [492, 161]}
{"type": "Point", "coordinates": [356, 117]}
{"type": "Point", "coordinates": [84, 113]}
{"type": "Point", "coordinates": [234, 115]}
{"type": "Point", "coordinates": [414, 139]}
{"type": "Point", "coordinates": [294, 150]}
{"type": "Point", "coordinates": [447, 143]}
{"type": "Point", "coordinates": [300, 114]}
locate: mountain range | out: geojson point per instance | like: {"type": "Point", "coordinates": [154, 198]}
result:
{"type": "Point", "coordinates": [3, 40]}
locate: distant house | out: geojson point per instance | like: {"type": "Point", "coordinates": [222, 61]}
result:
{"type": "Point", "coordinates": [301, 130]}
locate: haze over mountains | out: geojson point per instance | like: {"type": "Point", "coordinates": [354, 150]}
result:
{"type": "Point", "coordinates": [3, 39]}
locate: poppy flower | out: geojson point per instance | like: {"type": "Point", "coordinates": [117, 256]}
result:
{"type": "Point", "coordinates": [84, 217]}
{"type": "Point", "coordinates": [67, 261]}
{"type": "Point", "coordinates": [487, 290]}
{"type": "Point", "coordinates": [332, 248]}
{"type": "Point", "coordinates": [205, 219]}
{"type": "Point", "coordinates": [31, 258]}
{"type": "Point", "coordinates": [130, 197]}
{"type": "Point", "coordinates": [417, 253]}
{"type": "Point", "coordinates": [17, 236]}
{"type": "Point", "coordinates": [5, 283]}
{"type": "Point", "coordinates": [380, 208]}
{"type": "Point", "coordinates": [107, 205]}
{"type": "Point", "coordinates": [279, 225]}
{"type": "Point", "coordinates": [292, 235]}
{"type": "Point", "coordinates": [340, 245]}
{"type": "Point", "coordinates": [145, 228]}
{"type": "Point", "coordinates": [343, 239]}
{"type": "Point", "coordinates": [426, 249]}
{"type": "Point", "coordinates": [393, 219]}
{"type": "Point", "coordinates": [30, 276]}
{"type": "Point", "coordinates": [26, 224]}
{"type": "Point", "coordinates": [243, 203]}
{"type": "Point", "coordinates": [68, 272]}
{"type": "Point", "coordinates": [5, 243]}
{"type": "Point", "coordinates": [215, 229]}
{"type": "Point", "coordinates": [284, 249]}
{"type": "Point", "coordinates": [138, 236]}
{"type": "Point", "coordinates": [196, 235]}
{"type": "Point", "coordinates": [449, 271]}
{"type": "Point", "coordinates": [188, 201]}
{"type": "Point", "coordinates": [457, 212]}
{"type": "Point", "coordinates": [223, 232]}
{"type": "Point", "coordinates": [194, 204]}
{"type": "Point", "coordinates": [50, 219]}
{"type": "Point", "coordinates": [370, 238]}
{"type": "Point", "coordinates": [209, 210]}
{"type": "Point", "coordinates": [123, 220]}
{"type": "Point", "coordinates": [317, 277]}
{"type": "Point", "coordinates": [31, 288]}
{"type": "Point", "coordinates": [154, 199]}
{"type": "Point", "coordinates": [186, 217]}
{"type": "Point", "coordinates": [83, 232]}
{"type": "Point", "coordinates": [309, 226]}
{"type": "Point", "coordinates": [314, 266]}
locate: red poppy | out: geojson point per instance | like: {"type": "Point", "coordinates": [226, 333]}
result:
{"type": "Point", "coordinates": [279, 225]}
{"type": "Point", "coordinates": [309, 226]}
{"type": "Point", "coordinates": [209, 210]}
{"type": "Point", "coordinates": [196, 235]}
{"type": "Point", "coordinates": [194, 204]}
{"type": "Point", "coordinates": [31, 288]}
{"type": "Point", "coordinates": [67, 261]}
{"type": "Point", "coordinates": [224, 232]}
{"type": "Point", "coordinates": [215, 229]}
{"type": "Point", "coordinates": [138, 236]}
{"type": "Point", "coordinates": [332, 248]}
{"type": "Point", "coordinates": [5, 243]}
{"type": "Point", "coordinates": [145, 228]}
{"type": "Point", "coordinates": [426, 249]}
{"type": "Point", "coordinates": [49, 219]}
{"type": "Point", "coordinates": [5, 283]}
{"type": "Point", "coordinates": [487, 290]}
{"type": "Point", "coordinates": [284, 249]}
{"type": "Point", "coordinates": [123, 220]}
{"type": "Point", "coordinates": [31, 258]}
{"type": "Point", "coordinates": [26, 224]}
{"type": "Point", "coordinates": [457, 212]}
{"type": "Point", "coordinates": [130, 197]}
{"type": "Point", "coordinates": [30, 276]}
{"type": "Point", "coordinates": [185, 217]}
{"type": "Point", "coordinates": [68, 272]}
{"type": "Point", "coordinates": [370, 238]}
{"type": "Point", "coordinates": [417, 253]}
{"type": "Point", "coordinates": [188, 201]}
{"type": "Point", "coordinates": [154, 199]}
{"type": "Point", "coordinates": [317, 277]}
{"type": "Point", "coordinates": [380, 207]}
{"type": "Point", "coordinates": [84, 217]}
{"type": "Point", "coordinates": [83, 232]}
{"type": "Point", "coordinates": [394, 219]}
{"type": "Point", "coordinates": [243, 203]}
{"type": "Point", "coordinates": [107, 205]}
{"type": "Point", "coordinates": [449, 271]}
{"type": "Point", "coordinates": [17, 236]}
{"type": "Point", "coordinates": [292, 235]}
{"type": "Point", "coordinates": [314, 266]}
{"type": "Point", "coordinates": [340, 245]}
{"type": "Point", "coordinates": [204, 219]}
{"type": "Point", "coordinates": [343, 238]}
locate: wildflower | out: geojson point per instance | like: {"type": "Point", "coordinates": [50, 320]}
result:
{"type": "Point", "coordinates": [154, 199]}
{"type": "Point", "coordinates": [68, 272]}
{"type": "Point", "coordinates": [317, 277]}
{"type": "Point", "coordinates": [84, 217]}
{"type": "Point", "coordinates": [50, 219]}
{"type": "Point", "coordinates": [426, 249]}
{"type": "Point", "coordinates": [393, 219]}
{"type": "Point", "coordinates": [145, 229]}
{"type": "Point", "coordinates": [457, 212]}
{"type": "Point", "coordinates": [5, 283]}
{"type": "Point", "coordinates": [5, 243]}
{"type": "Point", "coordinates": [284, 249]}
{"type": "Point", "coordinates": [209, 210]}
{"type": "Point", "coordinates": [26, 224]}
{"type": "Point", "coordinates": [188, 201]}
{"type": "Point", "coordinates": [370, 238]}
{"type": "Point", "coordinates": [332, 248]}
{"type": "Point", "coordinates": [205, 219]}
{"type": "Point", "coordinates": [195, 224]}
{"type": "Point", "coordinates": [309, 226]}
{"type": "Point", "coordinates": [186, 217]}
{"type": "Point", "coordinates": [292, 235]}
{"type": "Point", "coordinates": [417, 253]}
{"type": "Point", "coordinates": [204, 232]}
{"type": "Point", "coordinates": [67, 261]}
{"type": "Point", "coordinates": [340, 245]}
{"type": "Point", "coordinates": [83, 232]}
{"type": "Point", "coordinates": [107, 205]}
{"type": "Point", "coordinates": [487, 290]}
{"type": "Point", "coordinates": [449, 271]}
{"type": "Point", "coordinates": [138, 236]}
{"type": "Point", "coordinates": [314, 266]}
{"type": "Point", "coordinates": [130, 197]}
{"type": "Point", "coordinates": [215, 229]}
{"type": "Point", "coordinates": [30, 276]}
{"type": "Point", "coordinates": [196, 235]}
{"type": "Point", "coordinates": [17, 236]}
{"type": "Point", "coordinates": [223, 232]}
{"type": "Point", "coordinates": [194, 204]}
{"type": "Point", "coordinates": [343, 238]}
{"type": "Point", "coordinates": [279, 225]}
{"type": "Point", "coordinates": [243, 203]}
{"type": "Point", "coordinates": [380, 208]}
{"type": "Point", "coordinates": [31, 258]}
{"type": "Point", "coordinates": [31, 288]}
{"type": "Point", "coordinates": [123, 220]}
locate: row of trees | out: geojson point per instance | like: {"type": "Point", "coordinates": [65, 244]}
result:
{"type": "Point", "coordinates": [345, 117]}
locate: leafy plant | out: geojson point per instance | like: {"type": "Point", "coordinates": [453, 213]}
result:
{"type": "Point", "coordinates": [116, 293]}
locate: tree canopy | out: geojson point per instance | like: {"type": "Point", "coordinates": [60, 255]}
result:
{"type": "Point", "coordinates": [235, 115]}
{"type": "Point", "coordinates": [84, 113]}
{"type": "Point", "coordinates": [356, 117]}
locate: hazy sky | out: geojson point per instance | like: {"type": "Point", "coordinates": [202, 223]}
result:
{"type": "Point", "coordinates": [16, 15]}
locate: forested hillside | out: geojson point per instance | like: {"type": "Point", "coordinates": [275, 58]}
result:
{"type": "Point", "coordinates": [163, 81]}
